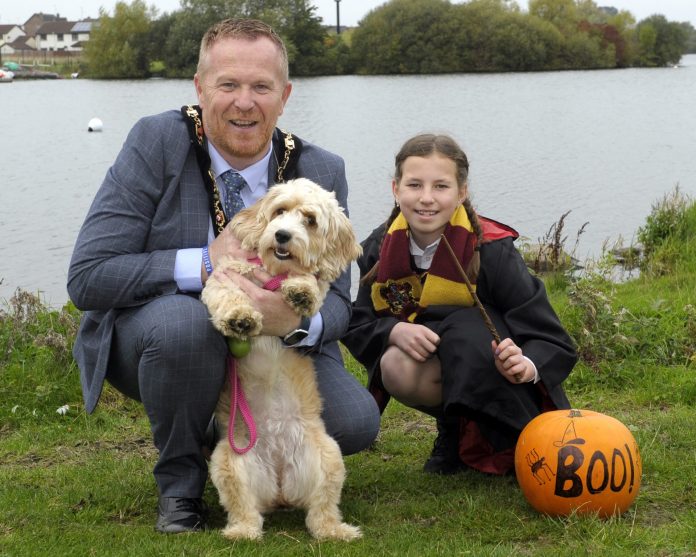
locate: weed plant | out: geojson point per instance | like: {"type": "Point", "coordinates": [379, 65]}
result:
{"type": "Point", "coordinates": [72, 484]}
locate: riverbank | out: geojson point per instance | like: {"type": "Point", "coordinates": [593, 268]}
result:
{"type": "Point", "coordinates": [72, 482]}
{"type": "Point", "coordinates": [35, 74]}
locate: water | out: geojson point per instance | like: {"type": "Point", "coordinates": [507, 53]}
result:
{"type": "Point", "coordinates": [604, 145]}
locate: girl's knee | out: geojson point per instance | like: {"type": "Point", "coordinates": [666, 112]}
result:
{"type": "Point", "coordinates": [398, 373]}
{"type": "Point", "coordinates": [412, 383]}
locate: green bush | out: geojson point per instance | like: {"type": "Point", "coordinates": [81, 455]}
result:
{"type": "Point", "coordinates": [667, 219]}
{"type": "Point", "coordinates": [36, 360]}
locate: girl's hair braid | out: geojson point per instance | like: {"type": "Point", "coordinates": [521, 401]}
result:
{"type": "Point", "coordinates": [371, 275]}
{"type": "Point", "coordinates": [474, 266]}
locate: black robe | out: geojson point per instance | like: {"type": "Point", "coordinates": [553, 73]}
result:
{"type": "Point", "coordinates": [493, 410]}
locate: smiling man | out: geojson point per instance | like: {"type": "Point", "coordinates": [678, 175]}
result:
{"type": "Point", "coordinates": [242, 85]}
{"type": "Point", "coordinates": [156, 230]}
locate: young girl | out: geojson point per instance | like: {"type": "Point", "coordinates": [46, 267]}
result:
{"type": "Point", "coordinates": [416, 330]}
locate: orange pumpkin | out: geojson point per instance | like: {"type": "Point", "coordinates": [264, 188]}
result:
{"type": "Point", "coordinates": [578, 461]}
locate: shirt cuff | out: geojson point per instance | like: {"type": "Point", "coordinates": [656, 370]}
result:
{"type": "Point", "coordinates": [187, 269]}
{"type": "Point", "coordinates": [316, 327]}
{"type": "Point", "coordinates": [537, 377]}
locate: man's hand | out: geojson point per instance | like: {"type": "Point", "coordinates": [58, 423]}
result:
{"type": "Point", "coordinates": [225, 244]}
{"type": "Point", "coordinates": [278, 317]}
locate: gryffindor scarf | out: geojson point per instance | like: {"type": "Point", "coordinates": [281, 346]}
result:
{"type": "Point", "coordinates": [398, 289]}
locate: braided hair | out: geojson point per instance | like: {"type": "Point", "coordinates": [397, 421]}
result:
{"type": "Point", "coordinates": [424, 145]}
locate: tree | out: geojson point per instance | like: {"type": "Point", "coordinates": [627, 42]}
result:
{"type": "Point", "coordinates": [118, 45]}
{"type": "Point", "coordinates": [303, 29]}
{"type": "Point", "coordinates": [294, 20]}
{"type": "Point", "coordinates": [690, 36]}
{"type": "Point", "coordinates": [562, 13]}
{"type": "Point", "coordinates": [661, 42]}
{"type": "Point", "coordinates": [405, 37]}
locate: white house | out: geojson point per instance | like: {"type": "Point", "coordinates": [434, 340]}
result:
{"type": "Point", "coordinates": [63, 35]}
{"type": "Point", "coordinates": [8, 33]}
{"type": "Point", "coordinates": [80, 33]}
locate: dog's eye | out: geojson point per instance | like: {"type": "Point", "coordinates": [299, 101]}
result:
{"type": "Point", "coordinates": [279, 211]}
{"type": "Point", "coordinates": [311, 220]}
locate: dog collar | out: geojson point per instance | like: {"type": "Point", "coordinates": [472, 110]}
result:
{"type": "Point", "coordinates": [274, 282]}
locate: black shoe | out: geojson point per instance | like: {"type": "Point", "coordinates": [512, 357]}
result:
{"type": "Point", "coordinates": [444, 459]}
{"type": "Point", "coordinates": [180, 514]}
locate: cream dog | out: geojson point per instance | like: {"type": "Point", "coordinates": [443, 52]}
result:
{"type": "Point", "coordinates": [298, 229]}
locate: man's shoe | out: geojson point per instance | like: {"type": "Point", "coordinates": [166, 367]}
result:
{"type": "Point", "coordinates": [180, 514]}
{"type": "Point", "coordinates": [444, 458]}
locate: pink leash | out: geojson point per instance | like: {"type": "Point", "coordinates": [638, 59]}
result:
{"type": "Point", "coordinates": [238, 400]}
{"type": "Point", "coordinates": [237, 397]}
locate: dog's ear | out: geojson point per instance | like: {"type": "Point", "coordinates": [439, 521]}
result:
{"type": "Point", "coordinates": [344, 247]}
{"type": "Point", "coordinates": [248, 225]}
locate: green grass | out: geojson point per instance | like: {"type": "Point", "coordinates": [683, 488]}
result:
{"type": "Point", "coordinates": [81, 485]}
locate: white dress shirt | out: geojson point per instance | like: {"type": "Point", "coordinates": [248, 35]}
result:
{"type": "Point", "coordinates": [187, 268]}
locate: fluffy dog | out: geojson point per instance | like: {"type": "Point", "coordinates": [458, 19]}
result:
{"type": "Point", "coordinates": [298, 229]}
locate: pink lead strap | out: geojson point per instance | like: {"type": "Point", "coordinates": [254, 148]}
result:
{"type": "Point", "coordinates": [238, 399]}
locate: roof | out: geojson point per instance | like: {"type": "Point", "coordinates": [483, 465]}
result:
{"type": "Point", "coordinates": [82, 27]}
{"type": "Point", "coordinates": [55, 27]}
{"type": "Point", "coordinates": [20, 43]}
{"type": "Point", "coordinates": [6, 28]}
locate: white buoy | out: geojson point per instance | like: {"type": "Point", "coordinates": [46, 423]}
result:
{"type": "Point", "coordinates": [95, 125]}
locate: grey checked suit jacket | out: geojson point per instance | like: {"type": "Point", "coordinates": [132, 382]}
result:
{"type": "Point", "coordinates": [152, 203]}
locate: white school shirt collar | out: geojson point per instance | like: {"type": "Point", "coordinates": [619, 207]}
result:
{"type": "Point", "coordinates": [423, 258]}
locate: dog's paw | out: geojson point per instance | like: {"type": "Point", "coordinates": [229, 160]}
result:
{"type": "Point", "coordinates": [339, 531]}
{"type": "Point", "coordinates": [302, 299]}
{"type": "Point", "coordinates": [240, 323]}
{"type": "Point", "coordinates": [240, 531]}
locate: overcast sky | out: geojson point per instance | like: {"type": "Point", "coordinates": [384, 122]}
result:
{"type": "Point", "coordinates": [18, 11]}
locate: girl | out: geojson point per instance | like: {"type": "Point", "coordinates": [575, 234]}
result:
{"type": "Point", "coordinates": [415, 328]}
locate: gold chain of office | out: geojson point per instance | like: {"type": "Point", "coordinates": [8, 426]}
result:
{"type": "Point", "coordinates": [220, 220]}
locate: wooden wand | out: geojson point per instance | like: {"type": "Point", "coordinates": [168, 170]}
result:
{"type": "Point", "coordinates": [486, 319]}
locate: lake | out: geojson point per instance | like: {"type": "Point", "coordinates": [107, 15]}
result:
{"type": "Point", "coordinates": [605, 145]}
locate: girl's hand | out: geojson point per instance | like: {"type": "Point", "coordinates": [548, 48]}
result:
{"type": "Point", "coordinates": [510, 362]}
{"type": "Point", "coordinates": [417, 341]}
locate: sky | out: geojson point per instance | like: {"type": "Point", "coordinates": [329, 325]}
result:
{"type": "Point", "coordinates": [351, 11]}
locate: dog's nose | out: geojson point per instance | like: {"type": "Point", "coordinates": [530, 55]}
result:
{"type": "Point", "coordinates": [283, 236]}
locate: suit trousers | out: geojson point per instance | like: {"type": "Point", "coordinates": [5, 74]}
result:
{"type": "Point", "coordinates": [168, 355]}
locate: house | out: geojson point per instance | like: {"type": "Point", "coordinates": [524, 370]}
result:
{"type": "Point", "coordinates": [22, 48]}
{"type": "Point", "coordinates": [80, 33]}
{"type": "Point", "coordinates": [67, 36]}
{"type": "Point", "coordinates": [55, 35]}
{"type": "Point", "coordinates": [32, 24]}
{"type": "Point", "coordinates": [9, 33]}
{"type": "Point", "coordinates": [45, 38]}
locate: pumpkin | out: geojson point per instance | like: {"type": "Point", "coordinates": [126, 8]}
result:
{"type": "Point", "coordinates": [578, 461]}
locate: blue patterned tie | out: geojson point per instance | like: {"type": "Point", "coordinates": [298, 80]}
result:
{"type": "Point", "coordinates": [233, 192]}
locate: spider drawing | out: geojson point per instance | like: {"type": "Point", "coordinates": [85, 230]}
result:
{"type": "Point", "coordinates": [538, 467]}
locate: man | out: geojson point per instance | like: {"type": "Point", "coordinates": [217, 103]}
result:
{"type": "Point", "coordinates": [156, 230]}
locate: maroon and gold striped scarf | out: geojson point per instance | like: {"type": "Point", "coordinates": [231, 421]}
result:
{"type": "Point", "coordinates": [398, 290]}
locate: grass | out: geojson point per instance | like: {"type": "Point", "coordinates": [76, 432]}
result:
{"type": "Point", "coordinates": [72, 484]}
